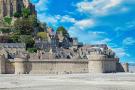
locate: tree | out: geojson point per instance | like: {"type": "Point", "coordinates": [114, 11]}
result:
{"type": "Point", "coordinates": [15, 38]}
{"type": "Point", "coordinates": [24, 26]}
{"type": "Point", "coordinates": [26, 12]}
{"type": "Point", "coordinates": [17, 15]}
{"type": "Point", "coordinates": [28, 40]}
{"type": "Point", "coordinates": [42, 35]}
{"type": "Point", "coordinates": [8, 20]}
{"type": "Point", "coordinates": [63, 30]}
{"type": "Point", "coordinates": [32, 50]}
{"type": "Point", "coordinates": [33, 20]}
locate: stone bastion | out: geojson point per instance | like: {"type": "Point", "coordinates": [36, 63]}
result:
{"type": "Point", "coordinates": [94, 64]}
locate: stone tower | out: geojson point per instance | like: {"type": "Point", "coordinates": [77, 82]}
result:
{"type": "Point", "coordinates": [9, 7]}
{"type": "Point", "coordinates": [2, 64]}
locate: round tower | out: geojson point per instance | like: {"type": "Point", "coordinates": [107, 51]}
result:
{"type": "Point", "coordinates": [125, 67]}
{"type": "Point", "coordinates": [96, 63]}
{"type": "Point", "coordinates": [2, 64]}
{"type": "Point", "coordinates": [20, 65]}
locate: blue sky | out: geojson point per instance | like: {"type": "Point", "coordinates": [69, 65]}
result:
{"type": "Point", "coordinates": [94, 22]}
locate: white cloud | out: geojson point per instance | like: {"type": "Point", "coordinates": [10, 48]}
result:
{"type": "Point", "coordinates": [56, 19]}
{"type": "Point", "coordinates": [82, 24]}
{"type": "Point", "coordinates": [129, 41]}
{"type": "Point", "coordinates": [65, 18]}
{"type": "Point", "coordinates": [47, 18]}
{"type": "Point", "coordinates": [96, 33]}
{"type": "Point", "coordinates": [41, 6]}
{"type": "Point", "coordinates": [103, 41]}
{"type": "Point", "coordinates": [98, 37]}
{"type": "Point", "coordinates": [86, 23]}
{"type": "Point", "coordinates": [120, 52]}
{"type": "Point", "coordinates": [99, 7]}
{"type": "Point", "coordinates": [90, 37]}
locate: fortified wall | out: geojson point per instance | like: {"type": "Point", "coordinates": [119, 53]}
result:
{"type": "Point", "coordinates": [60, 66]}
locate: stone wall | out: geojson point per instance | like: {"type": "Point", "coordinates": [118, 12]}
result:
{"type": "Point", "coordinates": [58, 67]}
{"type": "Point", "coordinates": [46, 66]}
{"type": "Point", "coordinates": [122, 67]}
{"type": "Point", "coordinates": [10, 67]}
{"type": "Point", "coordinates": [2, 64]}
{"type": "Point", "coordinates": [102, 66]}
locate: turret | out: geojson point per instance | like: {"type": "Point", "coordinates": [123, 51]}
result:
{"type": "Point", "coordinates": [2, 64]}
{"type": "Point", "coordinates": [100, 63]}
{"type": "Point", "coordinates": [20, 64]}
{"type": "Point", "coordinates": [125, 67]}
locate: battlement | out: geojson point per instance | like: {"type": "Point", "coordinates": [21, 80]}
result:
{"type": "Point", "coordinates": [53, 66]}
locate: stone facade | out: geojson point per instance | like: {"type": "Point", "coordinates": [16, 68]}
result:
{"type": "Point", "coordinates": [10, 50]}
{"type": "Point", "coordinates": [85, 59]}
{"type": "Point", "coordinates": [9, 7]}
{"type": "Point", "coordinates": [58, 66]}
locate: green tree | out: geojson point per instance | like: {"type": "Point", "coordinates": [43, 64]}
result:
{"type": "Point", "coordinates": [33, 20]}
{"type": "Point", "coordinates": [17, 15]}
{"type": "Point", "coordinates": [26, 12]}
{"type": "Point", "coordinates": [28, 40]}
{"type": "Point", "coordinates": [32, 50]}
{"type": "Point", "coordinates": [63, 30]}
{"type": "Point", "coordinates": [15, 38]}
{"type": "Point", "coordinates": [8, 20]}
{"type": "Point", "coordinates": [24, 26]}
{"type": "Point", "coordinates": [42, 35]}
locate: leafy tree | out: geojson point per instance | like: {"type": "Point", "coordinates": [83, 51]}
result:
{"type": "Point", "coordinates": [26, 12]}
{"type": "Point", "coordinates": [28, 40]}
{"type": "Point", "coordinates": [8, 20]}
{"type": "Point", "coordinates": [33, 20]}
{"type": "Point", "coordinates": [5, 30]}
{"type": "Point", "coordinates": [63, 30]}
{"type": "Point", "coordinates": [42, 35]}
{"type": "Point", "coordinates": [32, 50]}
{"type": "Point", "coordinates": [17, 15]}
{"type": "Point", "coordinates": [15, 38]}
{"type": "Point", "coordinates": [24, 26]}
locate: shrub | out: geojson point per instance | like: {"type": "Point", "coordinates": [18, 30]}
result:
{"type": "Point", "coordinates": [32, 50]}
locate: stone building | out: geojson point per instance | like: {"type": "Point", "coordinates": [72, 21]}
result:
{"type": "Point", "coordinates": [59, 54]}
{"type": "Point", "coordinates": [85, 59]}
{"type": "Point", "coordinates": [9, 7]}
{"type": "Point", "coordinates": [10, 50]}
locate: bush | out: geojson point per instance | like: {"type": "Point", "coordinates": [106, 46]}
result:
{"type": "Point", "coordinates": [15, 38]}
{"type": "Point", "coordinates": [8, 20]}
{"type": "Point", "coordinates": [17, 15]}
{"type": "Point", "coordinates": [63, 30]}
{"type": "Point", "coordinates": [26, 12]}
{"type": "Point", "coordinates": [24, 26]}
{"type": "Point", "coordinates": [42, 35]}
{"type": "Point", "coordinates": [28, 40]}
{"type": "Point", "coordinates": [32, 50]}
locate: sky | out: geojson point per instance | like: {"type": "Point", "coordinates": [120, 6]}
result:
{"type": "Point", "coordinates": [110, 22]}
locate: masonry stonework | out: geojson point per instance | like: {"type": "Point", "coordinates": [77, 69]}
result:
{"type": "Point", "coordinates": [58, 66]}
{"type": "Point", "coordinates": [2, 64]}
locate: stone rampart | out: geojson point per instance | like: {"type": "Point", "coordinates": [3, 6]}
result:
{"type": "Point", "coordinates": [57, 66]}
{"type": "Point", "coordinates": [60, 66]}
{"type": "Point", "coordinates": [2, 64]}
{"type": "Point", "coordinates": [122, 67]}
{"type": "Point", "coordinates": [102, 66]}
